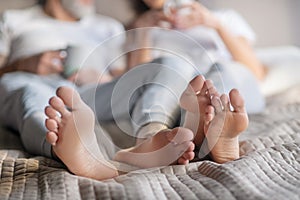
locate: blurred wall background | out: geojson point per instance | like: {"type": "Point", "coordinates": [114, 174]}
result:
{"type": "Point", "coordinates": [276, 22]}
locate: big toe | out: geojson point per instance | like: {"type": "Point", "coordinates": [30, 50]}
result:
{"type": "Point", "coordinates": [237, 101]}
{"type": "Point", "coordinates": [197, 83]}
{"type": "Point", "coordinates": [70, 97]}
{"type": "Point", "coordinates": [189, 99]}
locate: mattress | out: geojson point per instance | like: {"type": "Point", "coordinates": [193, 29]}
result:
{"type": "Point", "coordinates": [269, 167]}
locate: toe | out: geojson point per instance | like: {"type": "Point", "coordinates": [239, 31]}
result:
{"type": "Point", "coordinates": [180, 135]}
{"type": "Point", "coordinates": [50, 112]}
{"type": "Point", "coordinates": [51, 138]}
{"type": "Point", "coordinates": [181, 149]}
{"type": "Point", "coordinates": [189, 155]}
{"type": "Point", "coordinates": [212, 92]}
{"type": "Point", "coordinates": [57, 104]}
{"type": "Point", "coordinates": [191, 147]}
{"type": "Point", "coordinates": [204, 89]}
{"type": "Point", "coordinates": [69, 96]}
{"type": "Point", "coordinates": [217, 104]}
{"type": "Point", "coordinates": [237, 101]}
{"type": "Point", "coordinates": [188, 99]}
{"type": "Point", "coordinates": [209, 114]}
{"type": "Point", "coordinates": [183, 161]}
{"type": "Point", "coordinates": [51, 125]}
{"type": "Point", "coordinates": [225, 102]}
{"type": "Point", "coordinates": [189, 152]}
{"type": "Point", "coordinates": [197, 83]}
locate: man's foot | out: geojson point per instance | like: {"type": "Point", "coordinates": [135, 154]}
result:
{"type": "Point", "coordinates": [195, 100]}
{"type": "Point", "coordinates": [166, 147]}
{"type": "Point", "coordinates": [72, 136]}
{"type": "Point", "coordinates": [225, 125]}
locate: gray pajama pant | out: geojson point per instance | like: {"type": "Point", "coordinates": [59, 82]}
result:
{"type": "Point", "coordinates": [148, 93]}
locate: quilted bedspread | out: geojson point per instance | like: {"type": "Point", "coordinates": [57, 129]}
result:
{"type": "Point", "coordinates": [268, 169]}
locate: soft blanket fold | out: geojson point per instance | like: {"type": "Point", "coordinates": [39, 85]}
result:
{"type": "Point", "coordinates": [268, 169]}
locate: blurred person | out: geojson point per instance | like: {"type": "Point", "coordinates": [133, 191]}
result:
{"type": "Point", "coordinates": [26, 93]}
{"type": "Point", "coordinates": [33, 43]}
{"type": "Point", "coordinates": [226, 37]}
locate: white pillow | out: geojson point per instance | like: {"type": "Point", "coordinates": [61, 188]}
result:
{"type": "Point", "coordinates": [283, 64]}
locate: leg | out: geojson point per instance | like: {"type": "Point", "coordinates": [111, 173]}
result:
{"type": "Point", "coordinates": [235, 75]}
{"type": "Point", "coordinates": [72, 136]}
{"type": "Point", "coordinates": [148, 95]}
{"type": "Point", "coordinates": [225, 125]}
{"type": "Point", "coordinates": [23, 98]}
{"type": "Point", "coordinates": [157, 103]}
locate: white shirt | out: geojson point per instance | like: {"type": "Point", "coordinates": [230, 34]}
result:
{"type": "Point", "coordinates": [202, 45]}
{"type": "Point", "coordinates": [30, 31]}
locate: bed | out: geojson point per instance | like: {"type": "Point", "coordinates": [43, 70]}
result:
{"type": "Point", "coordinates": [268, 169]}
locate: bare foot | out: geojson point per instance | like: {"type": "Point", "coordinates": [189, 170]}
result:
{"type": "Point", "coordinates": [164, 148]}
{"type": "Point", "coordinates": [72, 136]}
{"type": "Point", "coordinates": [224, 126]}
{"type": "Point", "coordinates": [195, 100]}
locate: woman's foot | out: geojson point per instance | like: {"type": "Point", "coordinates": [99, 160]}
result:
{"type": "Point", "coordinates": [195, 100]}
{"type": "Point", "coordinates": [72, 136]}
{"type": "Point", "coordinates": [166, 147]}
{"type": "Point", "coordinates": [224, 126]}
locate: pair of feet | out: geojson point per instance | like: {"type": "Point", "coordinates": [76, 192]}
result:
{"type": "Point", "coordinates": [73, 140]}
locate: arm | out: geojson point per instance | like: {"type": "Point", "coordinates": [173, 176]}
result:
{"type": "Point", "coordinates": [42, 64]}
{"type": "Point", "coordinates": [239, 47]}
{"type": "Point", "coordinates": [3, 59]}
{"type": "Point", "coordinates": [241, 51]}
{"type": "Point", "coordinates": [141, 38]}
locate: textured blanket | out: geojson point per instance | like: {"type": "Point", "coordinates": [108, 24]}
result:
{"type": "Point", "coordinates": [268, 169]}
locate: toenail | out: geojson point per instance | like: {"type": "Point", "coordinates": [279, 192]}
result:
{"type": "Point", "coordinates": [198, 93]}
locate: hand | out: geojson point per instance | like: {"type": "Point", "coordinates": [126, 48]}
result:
{"type": "Point", "coordinates": [89, 76]}
{"type": "Point", "coordinates": [50, 63]}
{"type": "Point", "coordinates": [198, 15]}
{"type": "Point", "coordinates": [151, 18]}
{"type": "Point", "coordinates": [46, 63]}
